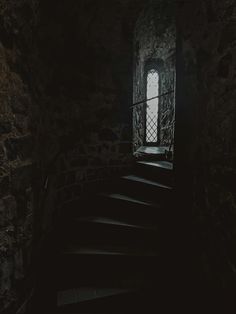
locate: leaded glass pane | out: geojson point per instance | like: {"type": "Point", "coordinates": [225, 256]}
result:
{"type": "Point", "coordinates": [152, 106]}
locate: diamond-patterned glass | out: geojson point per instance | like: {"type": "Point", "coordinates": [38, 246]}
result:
{"type": "Point", "coordinates": [152, 106]}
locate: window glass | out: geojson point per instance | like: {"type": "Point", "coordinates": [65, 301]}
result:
{"type": "Point", "coordinates": [152, 106]}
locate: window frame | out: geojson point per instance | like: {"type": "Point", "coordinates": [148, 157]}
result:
{"type": "Point", "coordinates": [157, 65]}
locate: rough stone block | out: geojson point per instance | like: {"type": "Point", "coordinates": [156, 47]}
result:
{"type": "Point", "coordinates": [91, 174]}
{"type": "Point", "coordinates": [228, 36]}
{"type": "Point", "coordinates": [114, 162]}
{"type": "Point", "coordinates": [126, 134]}
{"type": "Point", "coordinates": [70, 178]}
{"type": "Point", "coordinates": [7, 210]}
{"type": "Point", "coordinates": [5, 127]}
{"type": "Point", "coordinates": [20, 104]}
{"type": "Point", "coordinates": [224, 66]}
{"type": "Point", "coordinates": [80, 176]}
{"type": "Point", "coordinates": [18, 265]}
{"type": "Point", "coordinates": [114, 148]}
{"type": "Point", "coordinates": [4, 185]}
{"type": "Point", "coordinates": [76, 190]}
{"type": "Point", "coordinates": [2, 152]}
{"type": "Point", "coordinates": [21, 122]}
{"type": "Point", "coordinates": [21, 177]}
{"type": "Point", "coordinates": [107, 135]}
{"type": "Point", "coordinates": [92, 149]}
{"type": "Point", "coordinates": [61, 180]}
{"type": "Point", "coordinates": [125, 147]}
{"type": "Point", "coordinates": [96, 161]}
{"type": "Point", "coordinates": [6, 272]}
{"type": "Point", "coordinates": [7, 242]}
{"type": "Point", "coordinates": [79, 162]}
{"type": "Point", "coordinates": [65, 194]}
{"type": "Point", "coordinates": [19, 147]}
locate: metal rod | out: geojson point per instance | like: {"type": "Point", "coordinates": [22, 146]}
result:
{"type": "Point", "coordinates": [146, 100]}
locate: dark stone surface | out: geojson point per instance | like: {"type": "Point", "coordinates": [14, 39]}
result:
{"type": "Point", "coordinates": [15, 111]}
{"type": "Point", "coordinates": [19, 147]}
{"type": "Point", "coordinates": [125, 148]}
{"type": "Point", "coordinates": [4, 185]}
{"type": "Point", "coordinates": [228, 37]}
{"type": "Point", "coordinates": [48, 111]}
{"type": "Point", "coordinates": [225, 65]}
{"type": "Point", "coordinates": [21, 177]}
{"type": "Point", "coordinates": [107, 135]}
{"type": "Point", "coordinates": [207, 161]}
{"type": "Point", "coordinates": [7, 211]}
{"type": "Point", "coordinates": [79, 162]}
{"type": "Point", "coordinates": [20, 104]}
{"type": "Point", "coordinates": [5, 127]}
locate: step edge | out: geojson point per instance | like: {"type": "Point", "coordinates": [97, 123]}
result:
{"type": "Point", "coordinates": [135, 178]}
{"type": "Point", "coordinates": [113, 222]}
{"type": "Point", "coordinates": [155, 165]}
{"type": "Point", "coordinates": [105, 252]}
{"type": "Point", "coordinates": [127, 198]}
{"type": "Point", "coordinates": [116, 292]}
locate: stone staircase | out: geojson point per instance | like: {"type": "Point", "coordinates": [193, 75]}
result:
{"type": "Point", "coordinates": [108, 253]}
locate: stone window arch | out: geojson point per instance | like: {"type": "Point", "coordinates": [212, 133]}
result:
{"type": "Point", "coordinates": [154, 49]}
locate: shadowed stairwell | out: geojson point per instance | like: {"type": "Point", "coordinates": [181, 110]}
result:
{"type": "Point", "coordinates": [117, 156]}
{"type": "Point", "coordinates": [106, 255]}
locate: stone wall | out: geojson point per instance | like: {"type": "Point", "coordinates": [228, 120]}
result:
{"type": "Point", "coordinates": [18, 20]}
{"type": "Point", "coordinates": [66, 88]}
{"type": "Point", "coordinates": [208, 74]}
{"type": "Point", "coordinates": [105, 155]}
{"type": "Point", "coordinates": [85, 109]}
{"type": "Point", "coordinates": [66, 78]}
{"type": "Point", "coordinates": [154, 41]}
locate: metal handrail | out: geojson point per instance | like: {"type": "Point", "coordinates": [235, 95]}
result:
{"type": "Point", "coordinates": [146, 100]}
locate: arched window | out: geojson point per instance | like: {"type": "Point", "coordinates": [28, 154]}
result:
{"type": "Point", "coordinates": [152, 106]}
{"type": "Point", "coordinates": [154, 76]}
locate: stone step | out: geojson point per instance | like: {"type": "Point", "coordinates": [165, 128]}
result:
{"type": "Point", "coordinates": [151, 191]}
{"type": "Point", "coordinates": [114, 205]}
{"type": "Point", "coordinates": [161, 171]}
{"type": "Point", "coordinates": [105, 300]}
{"type": "Point", "coordinates": [84, 294]}
{"type": "Point", "coordinates": [107, 221]}
{"type": "Point", "coordinates": [166, 165]}
{"type": "Point", "coordinates": [104, 265]}
{"type": "Point", "coordinates": [150, 183]}
{"type": "Point", "coordinates": [103, 230]}
{"type": "Point", "coordinates": [76, 250]}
